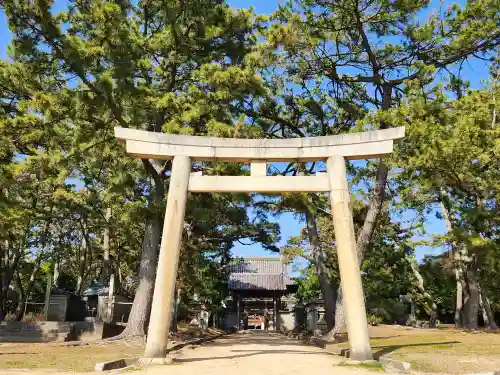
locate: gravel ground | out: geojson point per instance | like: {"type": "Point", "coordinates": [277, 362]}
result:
{"type": "Point", "coordinates": [254, 353]}
{"type": "Point", "coordinates": [245, 353]}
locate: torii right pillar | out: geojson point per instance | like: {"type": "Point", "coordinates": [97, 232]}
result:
{"type": "Point", "coordinates": [350, 274]}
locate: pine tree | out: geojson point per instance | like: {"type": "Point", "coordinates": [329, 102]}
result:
{"type": "Point", "coordinates": [339, 60]}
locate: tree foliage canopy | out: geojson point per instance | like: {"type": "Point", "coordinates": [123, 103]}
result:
{"type": "Point", "coordinates": [75, 205]}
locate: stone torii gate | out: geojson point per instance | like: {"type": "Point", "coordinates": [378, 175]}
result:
{"type": "Point", "coordinates": [183, 149]}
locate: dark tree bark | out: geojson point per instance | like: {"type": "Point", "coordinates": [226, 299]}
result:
{"type": "Point", "coordinates": [489, 316]}
{"type": "Point", "coordinates": [139, 314]}
{"type": "Point", "coordinates": [106, 264]}
{"type": "Point", "coordinates": [3, 268]}
{"type": "Point", "coordinates": [177, 302]}
{"type": "Point", "coordinates": [29, 288]}
{"type": "Point", "coordinates": [141, 307]}
{"type": "Point", "coordinates": [56, 273]}
{"type": "Point", "coordinates": [321, 270]}
{"type": "Point", "coordinates": [457, 254]}
{"type": "Point", "coordinates": [459, 301]}
{"type": "Point", "coordinates": [431, 306]}
{"type": "Point", "coordinates": [339, 319]}
{"type": "Point", "coordinates": [9, 268]}
{"type": "Point", "coordinates": [472, 304]}
{"type": "Point", "coordinates": [22, 296]}
{"type": "Point", "coordinates": [82, 265]}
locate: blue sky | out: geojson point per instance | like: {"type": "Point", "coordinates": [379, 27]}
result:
{"type": "Point", "coordinates": [290, 225]}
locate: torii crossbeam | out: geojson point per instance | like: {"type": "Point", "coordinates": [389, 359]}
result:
{"type": "Point", "coordinates": [332, 149]}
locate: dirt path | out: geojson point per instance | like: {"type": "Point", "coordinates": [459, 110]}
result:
{"type": "Point", "coordinates": [248, 353]}
{"type": "Point", "coordinates": [429, 350]}
{"type": "Point", "coordinates": [254, 353]}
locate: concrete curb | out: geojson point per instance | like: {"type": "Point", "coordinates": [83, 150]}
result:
{"type": "Point", "coordinates": [116, 364]}
{"type": "Point", "coordinates": [394, 363]}
{"type": "Point", "coordinates": [334, 348]}
{"type": "Point", "coordinates": [128, 362]}
{"type": "Point", "coordinates": [198, 341]}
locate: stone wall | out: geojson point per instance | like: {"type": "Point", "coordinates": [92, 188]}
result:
{"type": "Point", "coordinates": [50, 331]}
{"type": "Point", "coordinates": [65, 307]}
{"type": "Point", "coordinates": [120, 311]}
{"type": "Point", "coordinates": [57, 308]}
{"type": "Point", "coordinates": [230, 321]}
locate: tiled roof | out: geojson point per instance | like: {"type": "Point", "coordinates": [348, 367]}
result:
{"type": "Point", "coordinates": [259, 273]}
{"type": "Point", "coordinates": [259, 265]}
{"type": "Point", "coordinates": [256, 281]}
{"type": "Point", "coordinates": [96, 289]}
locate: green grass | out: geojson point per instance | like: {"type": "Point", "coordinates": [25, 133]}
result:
{"type": "Point", "coordinates": [61, 357]}
{"type": "Point", "coordinates": [438, 350]}
{"type": "Point", "coordinates": [133, 368]}
{"type": "Point", "coordinates": [74, 358]}
{"type": "Point", "coordinates": [367, 366]}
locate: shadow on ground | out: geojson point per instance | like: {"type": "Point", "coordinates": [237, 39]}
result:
{"type": "Point", "coordinates": [262, 339]}
{"type": "Point", "coordinates": [277, 339]}
{"type": "Point", "coordinates": [247, 353]}
{"type": "Point", "coordinates": [255, 338]}
{"type": "Point", "coordinates": [379, 351]}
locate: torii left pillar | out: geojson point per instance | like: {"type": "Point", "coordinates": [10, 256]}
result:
{"type": "Point", "coordinates": [166, 274]}
{"type": "Point", "coordinates": [350, 276]}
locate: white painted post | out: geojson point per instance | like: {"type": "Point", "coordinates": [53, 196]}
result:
{"type": "Point", "coordinates": [166, 274]}
{"type": "Point", "coordinates": [352, 288]}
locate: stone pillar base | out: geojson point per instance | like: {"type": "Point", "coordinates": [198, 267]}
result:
{"type": "Point", "coordinates": [363, 355]}
{"type": "Point", "coordinates": [155, 361]}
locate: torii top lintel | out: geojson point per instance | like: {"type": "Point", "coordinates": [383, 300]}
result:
{"type": "Point", "coordinates": [352, 146]}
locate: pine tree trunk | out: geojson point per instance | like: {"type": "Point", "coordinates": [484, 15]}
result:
{"type": "Point", "coordinates": [139, 314]}
{"type": "Point", "coordinates": [486, 321]}
{"type": "Point", "coordinates": [106, 264]}
{"type": "Point", "coordinates": [458, 303]}
{"type": "Point", "coordinates": [457, 263]}
{"type": "Point", "coordinates": [431, 307]}
{"type": "Point", "coordinates": [339, 320]}
{"type": "Point", "coordinates": [56, 273]}
{"type": "Point", "coordinates": [466, 298]}
{"type": "Point", "coordinates": [22, 296]}
{"type": "Point", "coordinates": [118, 270]}
{"type": "Point", "coordinates": [3, 268]}
{"type": "Point", "coordinates": [177, 302]}
{"type": "Point", "coordinates": [82, 264]}
{"type": "Point", "coordinates": [319, 262]}
{"type": "Point", "coordinates": [29, 289]}
{"type": "Point", "coordinates": [488, 315]}
{"type": "Point", "coordinates": [472, 305]}
{"type": "Point", "coordinates": [413, 314]}
{"type": "Point", "coordinates": [462, 292]}
{"type": "Point", "coordinates": [9, 268]}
